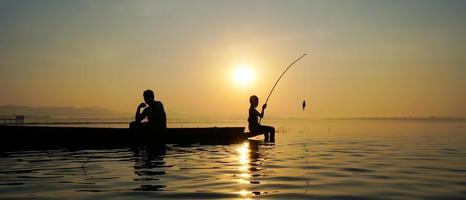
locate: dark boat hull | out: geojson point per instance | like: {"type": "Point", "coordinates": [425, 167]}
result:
{"type": "Point", "coordinates": [37, 136]}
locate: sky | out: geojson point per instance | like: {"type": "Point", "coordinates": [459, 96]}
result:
{"type": "Point", "coordinates": [364, 58]}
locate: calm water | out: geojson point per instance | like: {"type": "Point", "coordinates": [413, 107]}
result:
{"type": "Point", "coordinates": [310, 160]}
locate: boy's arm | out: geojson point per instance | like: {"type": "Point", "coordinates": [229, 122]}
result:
{"type": "Point", "coordinates": [261, 115]}
{"type": "Point", "coordinates": [257, 113]}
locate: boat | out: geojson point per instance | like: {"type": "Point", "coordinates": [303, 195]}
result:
{"type": "Point", "coordinates": [46, 136]}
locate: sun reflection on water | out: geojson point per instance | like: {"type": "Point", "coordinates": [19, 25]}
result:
{"type": "Point", "coordinates": [244, 174]}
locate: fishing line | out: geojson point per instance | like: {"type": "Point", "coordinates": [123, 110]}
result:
{"type": "Point", "coordinates": [289, 66]}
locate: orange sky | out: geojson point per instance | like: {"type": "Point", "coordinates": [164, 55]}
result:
{"type": "Point", "coordinates": [384, 58]}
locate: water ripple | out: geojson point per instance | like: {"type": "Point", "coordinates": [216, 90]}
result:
{"type": "Point", "coordinates": [312, 166]}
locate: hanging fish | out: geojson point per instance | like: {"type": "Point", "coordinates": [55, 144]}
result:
{"type": "Point", "coordinates": [304, 104]}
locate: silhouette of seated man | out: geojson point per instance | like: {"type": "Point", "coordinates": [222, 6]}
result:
{"type": "Point", "coordinates": [155, 114]}
{"type": "Point", "coordinates": [254, 126]}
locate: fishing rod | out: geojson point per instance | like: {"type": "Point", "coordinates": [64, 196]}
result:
{"type": "Point", "coordinates": [289, 66]}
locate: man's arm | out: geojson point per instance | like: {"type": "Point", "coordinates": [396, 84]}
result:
{"type": "Point", "coordinates": [140, 116]}
{"type": "Point", "coordinates": [164, 117]}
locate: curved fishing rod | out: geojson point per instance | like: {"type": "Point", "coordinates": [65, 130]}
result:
{"type": "Point", "coordinates": [289, 66]}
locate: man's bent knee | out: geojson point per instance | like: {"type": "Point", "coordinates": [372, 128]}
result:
{"type": "Point", "coordinates": [134, 125]}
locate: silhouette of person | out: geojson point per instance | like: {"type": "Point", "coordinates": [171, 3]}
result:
{"type": "Point", "coordinates": [254, 126]}
{"type": "Point", "coordinates": [155, 114]}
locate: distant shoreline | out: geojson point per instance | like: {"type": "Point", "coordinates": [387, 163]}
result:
{"type": "Point", "coordinates": [400, 118]}
{"type": "Point", "coordinates": [98, 121]}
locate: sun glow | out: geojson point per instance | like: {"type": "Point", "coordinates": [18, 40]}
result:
{"type": "Point", "coordinates": [243, 75]}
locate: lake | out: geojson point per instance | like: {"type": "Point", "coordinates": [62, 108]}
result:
{"type": "Point", "coordinates": [311, 159]}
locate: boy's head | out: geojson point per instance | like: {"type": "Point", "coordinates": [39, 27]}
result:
{"type": "Point", "coordinates": [254, 101]}
{"type": "Point", "coordinates": [148, 96]}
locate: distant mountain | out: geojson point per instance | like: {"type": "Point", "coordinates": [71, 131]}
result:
{"type": "Point", "coordinates": [72, 112]}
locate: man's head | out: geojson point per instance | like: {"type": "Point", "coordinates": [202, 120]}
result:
{"type": "Point", "coordinates": [148, 96]}
{"type": "Point", "coordinates": [254, 101]}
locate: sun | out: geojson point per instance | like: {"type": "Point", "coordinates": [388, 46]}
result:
{"type": "Point", "coordinates": [242, 75]}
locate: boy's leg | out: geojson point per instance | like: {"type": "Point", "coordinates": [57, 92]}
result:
{"type": "Point", "coordinates": [266, 136]}
{"type": "Point", "coordinates": [272, 134]}
{"type": "Point", "coordinates": [263, 129]}
{"type": "Point", "coordinates": [269, 133]}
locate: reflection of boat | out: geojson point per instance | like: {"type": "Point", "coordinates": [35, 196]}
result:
{"type": "Point", "coordinates": [31, 136]}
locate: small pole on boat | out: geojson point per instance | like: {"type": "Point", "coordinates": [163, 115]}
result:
{"type": "Point", "coordinates": [289, 66]}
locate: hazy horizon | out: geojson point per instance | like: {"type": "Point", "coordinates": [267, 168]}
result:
{"type": "Point", "coordinates": [365, 58]}
{"type": "Point", "coordinates": [38, 114]}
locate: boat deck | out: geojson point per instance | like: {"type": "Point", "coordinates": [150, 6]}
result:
{"type": "Point", "coordinates": [43, 136]}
